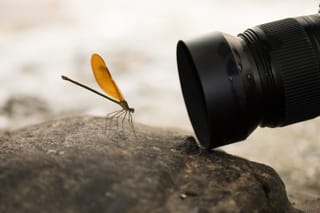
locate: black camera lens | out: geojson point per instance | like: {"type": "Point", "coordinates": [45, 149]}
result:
{"type": "Point", "coordinates": [267, 76]}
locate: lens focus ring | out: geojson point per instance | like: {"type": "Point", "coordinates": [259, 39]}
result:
{"type": "Point", "coordinates": [295, 60]}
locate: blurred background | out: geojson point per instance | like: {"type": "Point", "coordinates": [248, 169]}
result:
{"type": "Point", "coordinates": [42, 39]}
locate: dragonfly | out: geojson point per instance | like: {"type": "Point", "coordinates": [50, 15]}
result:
{"type": "Point", "coordinates": [109, 86]}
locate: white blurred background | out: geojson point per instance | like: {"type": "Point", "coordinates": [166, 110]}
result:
{"type": "Point", "coordinates": [42, 39]}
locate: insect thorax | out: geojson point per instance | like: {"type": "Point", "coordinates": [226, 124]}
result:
{"type": "Point", "coordinates": [125, 106]}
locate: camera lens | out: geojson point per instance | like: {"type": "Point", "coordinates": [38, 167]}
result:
{"type": "Point", "coordinates": [267, 76]}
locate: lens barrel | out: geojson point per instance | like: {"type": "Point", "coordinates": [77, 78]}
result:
{"type": "Point", "coordinates": [267, 76]}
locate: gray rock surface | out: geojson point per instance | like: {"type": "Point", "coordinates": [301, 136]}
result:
{"type": "Point", "coordinates": [74, 165]}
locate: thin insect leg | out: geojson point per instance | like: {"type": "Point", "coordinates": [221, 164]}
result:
{"type": "Point", "coordinates": [131, 124]}
{"type": "Point", "coordinates": [105, 124]}
{"type": "Point", "coordinates": [115, 115]}
{"type": "Point", "coordinates": [114, 112]}
{"type": "Point", "coordinates": [118, 117]}
{"type": "Point", "coordinates": [124, 117]}
{"type": "Point", "coordinates": [106, 121]}
{"type": "Point", "coordinates": [111, 116]}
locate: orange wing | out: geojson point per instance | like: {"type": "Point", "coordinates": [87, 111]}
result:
{"type": "Point", "coordinates": [104, 78]}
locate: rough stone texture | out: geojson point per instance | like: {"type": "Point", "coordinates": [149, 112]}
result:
{"type": "Point", "coordinates": [308, 202]}
{"type": "Point", "coordinates": [73, 165]}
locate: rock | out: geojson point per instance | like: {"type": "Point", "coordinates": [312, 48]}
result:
{"type": "Point", "coordinates": [308, 202]}
{"type": "Point", "coordinates": [75, 165]}
{"type": "Point", "coordinates": [29, 109]}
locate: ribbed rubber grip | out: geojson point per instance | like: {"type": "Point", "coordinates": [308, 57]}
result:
{"type": "Point", "coordinates": [295, 59]}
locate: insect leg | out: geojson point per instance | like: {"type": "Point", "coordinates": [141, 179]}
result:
{"type": "Point", "coordinates": [118, 116]}
{"type": "Point", "coordinates": [112, 113]}
{"type": "Point", "coordinates": [111, 116]}
{"type": "Point", "coordinates": [124, 117]}
{"type": "Point", "coordinates": [123, 111]}
{"type": "Point", "coordinates": [131, 124]}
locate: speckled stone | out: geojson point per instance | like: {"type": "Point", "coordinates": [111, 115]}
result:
{"type": "Point", "coordinates": [75, 165]}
